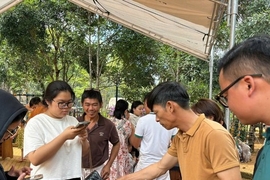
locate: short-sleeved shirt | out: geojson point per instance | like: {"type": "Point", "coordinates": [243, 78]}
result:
{"type": "Point", "coordinates": [204, 150]}
{"type": "Point", "coordinates": [155, 139]}
{"type": "Point", "coordinates": [99, 136]}
{"type": "Point", "coordinates": [39, 109]}
{"type": "Point", "coordinates": [263, 160]}
{"type": "Point", "coordinates": [66, 162]}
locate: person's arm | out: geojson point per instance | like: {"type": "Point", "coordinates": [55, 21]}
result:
{"type": "Point", "coordinates": [153, 171]}
{"type": "Point", "coordinates": [233, 173]}
{"type": "Point", "coordinates": [85, 143]}
{"type": "Point", "coordinates": [85, 147]}
{"type": "Point", "coordinates": [105, 172]}
{"type": "Point", "coordinates": [134, 140]}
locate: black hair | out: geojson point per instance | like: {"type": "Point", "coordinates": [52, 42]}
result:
{"type": "Point", "coordinates": [168, 91]}
{"type": "Point", "coordinates": [54, 88]}
{"type": "Point", "coordinates": [251, 56]}
{"type": "Point", "coordinates": [91, 94]}
{"type": "Point", "coordinates": [134, 105]}
{"type": "Point", "coordinates": [120, 108]}
{"type": "Point", "coordinates": [34, 101]}
{"type": "Point", "coordinates": [146, 96]}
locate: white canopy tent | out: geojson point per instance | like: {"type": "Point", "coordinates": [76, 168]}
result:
{"type": "Point", "coordinates": [188, 25]}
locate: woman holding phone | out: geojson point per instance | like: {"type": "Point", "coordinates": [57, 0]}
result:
{"type": "Point", "coordinates": [51, 142]}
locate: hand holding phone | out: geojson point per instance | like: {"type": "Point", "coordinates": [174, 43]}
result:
{"type": "Point", "coordinates": [82, 124]}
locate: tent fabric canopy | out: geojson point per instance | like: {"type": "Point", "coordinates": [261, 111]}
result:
{"type": "Point", "coordinates": [6, 4]}
{"type": "Point", "coordinates": [188, 25]}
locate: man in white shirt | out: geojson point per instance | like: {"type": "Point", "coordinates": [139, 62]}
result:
{"type": "Point", "coordinates": [152, 139]}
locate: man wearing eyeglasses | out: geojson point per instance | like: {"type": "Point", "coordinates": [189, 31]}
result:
{"type": "Point", "coordinates": [11, 113]}
{"type": "Point", "coordinates": [244, 77]}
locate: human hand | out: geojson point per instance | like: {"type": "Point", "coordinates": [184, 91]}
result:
{"type": "Point", "coordinates": [22, 176]}
{"type": "Point", "coordinates": [71, 132]}
{"type": "Point", "coordinates": [83, 135]}
{"type": "Point", "coordinates": [105, 172]}
{"type": "Point", "coordinates": [19, 172]}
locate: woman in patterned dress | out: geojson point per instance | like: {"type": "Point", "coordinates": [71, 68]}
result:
{"type": "Point", "coordinates": [123, 163]}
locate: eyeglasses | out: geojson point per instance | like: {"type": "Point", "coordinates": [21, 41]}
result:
{"type": "Point", "coordinates": [222, 99]}
{"type": "Point", "coordinates": [63, 105]}
{"type": "Point", "coordinates": [12, 132]}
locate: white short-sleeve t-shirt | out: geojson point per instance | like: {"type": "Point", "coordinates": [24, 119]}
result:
{"type": "Point", "coordinates": [155, 139]}
{"type": "Point", "coordinates": [66, 163]}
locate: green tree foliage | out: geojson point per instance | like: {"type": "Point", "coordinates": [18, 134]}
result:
{"type": "Point", "coordinates": [60, 50]}
{"type": "Point", "coordinates": [257, 23]}
{"type": "Point", "coordinates": [252, 19]}
{"type": "Point", "coordinates": [107, 31]}
{"type": "Point", "coordinates": [41, 38]}
{"type": "Point", "coordinates": [174, 65]}
{"type": "Point", "coordinates": [23, 29]}
{"type": "Point", "coordinates": [135, 56]}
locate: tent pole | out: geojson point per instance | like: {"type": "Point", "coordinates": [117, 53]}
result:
{"type": "Point", "coordinates": [234, 11]}
{"type": "Point", "coordinates": [211, 72]}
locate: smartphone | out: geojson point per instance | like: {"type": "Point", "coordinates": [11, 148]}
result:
{"type": "Point", "coordinates": [81, 124]}
{"type": "Point", "coordinates": [35, 177]}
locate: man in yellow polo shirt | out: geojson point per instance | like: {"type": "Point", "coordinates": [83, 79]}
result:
{"type": "Point", "coordinates": [202, 147]}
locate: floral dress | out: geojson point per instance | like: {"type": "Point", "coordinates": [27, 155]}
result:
{"type": "Point", "coordinates": [123, 163]}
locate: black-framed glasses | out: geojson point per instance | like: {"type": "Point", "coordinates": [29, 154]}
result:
{"type": "Point", "coordinates": [222, 99]}
{"type": "Point", "coordinates": [63, 105]}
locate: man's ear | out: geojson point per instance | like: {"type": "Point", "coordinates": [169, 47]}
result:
{"type": "Point", "coordinates": [170, 106]}
{"type": "Point", "coordinates": [250, 84]}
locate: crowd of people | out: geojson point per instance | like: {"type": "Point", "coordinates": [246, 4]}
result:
{"type": "Point", "coordinates": [164, 129]}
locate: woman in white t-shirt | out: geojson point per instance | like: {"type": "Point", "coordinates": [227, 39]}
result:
{"type": "Point", "coordinates": [51, 143]}
{"type": "Point", "coordinates": [136, 111]}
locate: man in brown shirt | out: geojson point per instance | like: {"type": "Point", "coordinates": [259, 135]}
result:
{"type": "Point", "coordinates": [100, 132]}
